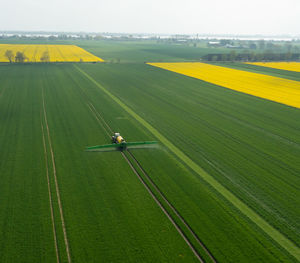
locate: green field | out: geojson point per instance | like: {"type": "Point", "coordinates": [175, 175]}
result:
{"type": "Point", "coordinates": [132, 51]}
{"type": "Point", "coordinates": [246, 148]}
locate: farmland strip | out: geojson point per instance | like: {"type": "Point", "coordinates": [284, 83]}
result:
{"type": "Point", "coordinates": [50, 198]}
{"type": "Point", "coordinates": [235, 201]}
{"type": "Point", "coordinates": [56, 184]}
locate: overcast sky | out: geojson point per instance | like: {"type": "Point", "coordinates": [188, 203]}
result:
{"type": "Point", "coordinates": [153, 16]}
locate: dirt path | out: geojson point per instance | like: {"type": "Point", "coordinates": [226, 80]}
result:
{"type": "Point", "coordinates": [56, 184]}
{"type": "Point", "coordinates": [49, 192]}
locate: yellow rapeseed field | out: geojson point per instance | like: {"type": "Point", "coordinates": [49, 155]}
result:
{"type": "Point", "coordinates": [272, 88]}
{"type": "Point", "coordinates": [291, 66]}
{"type": "Point", "coordinates": [48, 53]}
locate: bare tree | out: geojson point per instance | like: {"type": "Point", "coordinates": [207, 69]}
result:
{"type": "Point", "coordinates": [10, 55]}
{"type": "Point", "coordinates": [232, 55]}
{"type": "Point", "coordinates": [45, 57]}
{"type": "Point", "coordinates": [20, 57]}
{"type": "Point", "coordinates": [223, 57]}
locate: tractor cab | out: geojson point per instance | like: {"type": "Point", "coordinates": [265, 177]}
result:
{"type": "Point", "coordinates": [117, 138]}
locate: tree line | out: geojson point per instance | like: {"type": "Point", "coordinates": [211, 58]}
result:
{"type": "Point", "coordinates": [252, 56]}
{"type": "Point", "coordinates": [20, 57]}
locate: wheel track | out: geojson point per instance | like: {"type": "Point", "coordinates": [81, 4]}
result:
{"type": "Point", "coordinates": [56, 184]}
{"type": "Point", "coordinates": [103, 123]}
{"type": "Point", "coordinates": [162, 208]}
{"type": "Point", "coordinates": [49, 193]}
{"type": "Point", "coordinates": [191, 231]}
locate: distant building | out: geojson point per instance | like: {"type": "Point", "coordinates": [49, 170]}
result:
{"type": "Point", "coordinates": [231, 46]}
{"type": "Point", "coordinates": [214, 43]}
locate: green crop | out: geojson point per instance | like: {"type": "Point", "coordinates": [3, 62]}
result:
{"type": "Point", "coordinates": [205, 122]}
{"type": "Point", "coordinates": [108, 214]}
{"type": "Point", "coordinates": [247, 146]}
